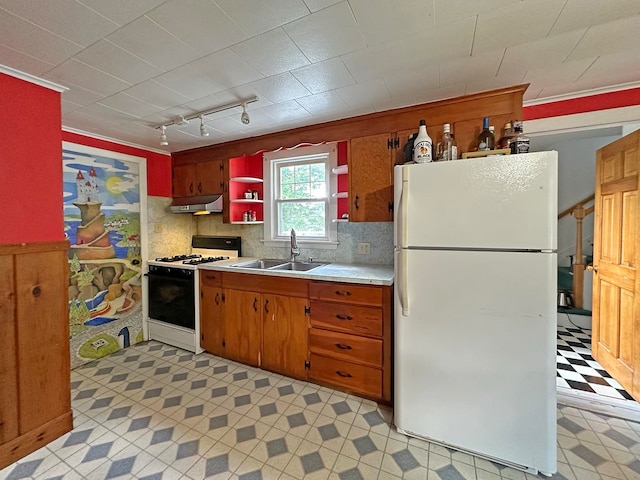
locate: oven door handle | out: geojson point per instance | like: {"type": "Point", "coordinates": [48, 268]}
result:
{"type": "Point", "coordinates": [169, 277]}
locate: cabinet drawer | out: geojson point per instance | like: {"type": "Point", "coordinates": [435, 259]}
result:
{"type": "Point", "coordinates": [357, 378]}
{"type": "Point", "coordinates": [346, 347]}
{"type": "Point", "coordinates": [210, 278]}
{"type": "Point", "coordinates": [347, 318]}
{"type": "Point", "coordinates": [346, 292]}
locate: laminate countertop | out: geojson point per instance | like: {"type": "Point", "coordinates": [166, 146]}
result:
{"type": "Point", "coordinates": [330, 272]}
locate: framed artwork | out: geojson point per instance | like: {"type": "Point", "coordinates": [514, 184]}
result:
{"type": "Point", "coordinates": [104, 203]}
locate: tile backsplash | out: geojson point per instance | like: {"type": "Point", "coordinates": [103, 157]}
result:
{"type": "Point", "coordinates": [177, 229]}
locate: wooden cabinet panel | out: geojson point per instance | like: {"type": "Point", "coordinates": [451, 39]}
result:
{"type": "Point", "coordinates": [212, 318]}
{"type": "Point", "coordinates": [209, 178]}
{"type": "Point", "coordinates": [292, 287]}
{"type": "Point", "coordinates": [370, 179]}
{"type": "Point", "coordinates": [284, 335]}
{"type": "Point", "coordinates": [356, 378]}
{"type": "Point", "coordinates": [351, 348]}
{"type": "Point", "coordinates": [8, 368]}
{"type": "Point", "coordinates": [346, 292]}
{"type": "Point", "coordinates": [43, 340]}
{"type": "Point", "coordinates": [347, 318]}
{"type": "Point", "coordinates": [183, 180]}
{"type": "Point", "coordinates": [242, 326]}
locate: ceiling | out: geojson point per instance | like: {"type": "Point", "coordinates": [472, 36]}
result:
{"type": "Point", "coordinates": [131, 65]}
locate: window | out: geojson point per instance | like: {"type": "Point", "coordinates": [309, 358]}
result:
{"type": "Point", "coordinates": [299, 191]}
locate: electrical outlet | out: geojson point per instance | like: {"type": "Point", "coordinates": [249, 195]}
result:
{"type": "Point", "coordinates": [364, 249]}
{"type": "Point", "coordinates": [157, 227]}
{"type": "Point", "coordinates": [101, 342]}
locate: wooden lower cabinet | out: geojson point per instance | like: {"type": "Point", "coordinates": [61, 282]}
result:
{"type": "Point", "coordinates": [35, 394]}
{"type": "Point", "coordinates": [334, 334]}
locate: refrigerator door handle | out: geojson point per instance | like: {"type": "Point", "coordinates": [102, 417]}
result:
{"type": "Point", "coordinates": [403, 294]}
{"type": "Point", "coordinates": [403, 213]}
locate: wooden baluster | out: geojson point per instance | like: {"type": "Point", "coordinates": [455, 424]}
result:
{"type": "Point", "coordinates": [578, 266]}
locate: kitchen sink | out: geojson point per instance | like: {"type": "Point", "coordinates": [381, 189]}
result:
{"type": "Point", "coordinates": [262, 263]}
{"type": "Point", "coordinates": [298, 266]}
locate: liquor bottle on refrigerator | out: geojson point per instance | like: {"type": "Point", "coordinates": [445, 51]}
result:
{"type": "Point", "coordinates": [447, 149]}
{"type": "Point", "coordinates": [520, 142]}
{"type": "Point", "coordinates": [422, 145]}
{"type": "Point", "coordinates": [485, 139]}
{"type": "Point", "coordinates": [507, 135]}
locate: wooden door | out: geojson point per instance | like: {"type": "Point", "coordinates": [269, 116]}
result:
{"type": "Point", "coordinates": [8, 367]}
{"type": "Point", "coordinates": [371, 179]}
{"type": "Point", "coordinates": [284, 335]}
{"type": "Point", "coordinates": [242, 326]}
{"type": "Point", "coordinates": [208, 178]}
{"type": "Point", "coordinates": [616, 286]}
{"type": "Point", "coordinates": [183, 181]}
{"type": "Point", "coordinates": [212, 319]}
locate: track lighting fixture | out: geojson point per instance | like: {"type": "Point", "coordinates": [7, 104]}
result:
{"type": "Point", "coordinates": [203, 130]}
{"type": "Point", "coordinates": [163, 136]}
{"type": "Point", "coordinates": [245, 116]}
{"type": "Point", "coordinates": [183, 120]}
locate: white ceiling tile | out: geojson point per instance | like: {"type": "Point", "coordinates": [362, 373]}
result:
{"type": "Point", "coordinates": [122, 11]}
{"type": "Point", "coordinates": [188, 82]}
{"type": "Point", "coordinates": [74, 71]}
{"type": "Point", "coordinates": [67, 106]}
{"type": "Point", "coordinates": [375, 62]}
{"type": "Point", "coordinates": [156, 94]}
{"type": "Point", "coordinates": [449, 11]}
{"type": "Point", "coordinates": [66, 18]}
{"type": "Point", "coordinates": [34, 41]}
{"type": "Point", "coordinates": [452, 41]}
{"type": "Point", "coordinates": [23, 62]}
{"type": "Point", "coordinates": [520, 22]}
{"type": "Point", "coordinates": [286, 112]}
{"type": "Point", "coordinates": [108, 113]}
{"type": "Point", "coordinates": [600, 40]}
{"type": "Point", "coordinates": [154, 44]}
{"type": "Point", "coordinates": [110, 58]}
{"type": "Point", "coordinates": [583, 13]}
{"type": "Point", "coordinates": [556, 74]}
{"type": "Point", "coordinates": [322, 103]}
{"type": "Point", "coordinates": [477, 84]}
{"type": "Point", "coordinates": [79, 95]}
{"type": "Point", "coordinates": [606, 69]}
{"type": "Point", "coordinates": [401, 83]}
{"type": "Point", "coordinates": [280, 88]}
{"type": "Point", "coordinates": [362, 94]}
{"type": "Point", "coordinates": [435, 94]}
{"type": "Point", "coordinates": [315, 5]}
{"type": "Point", "coordinates": [324, 76]}
{"type": "Point", "coordinates": [481, 65]}
{"type": "Point", "coordinates": [131, 105]}
{"type": "Point", "coordinates": [545, 51]}
{"type": "Point", "coordinates": [226, 69]}
{"type": "Point", "coordinates": [394, 102]}
{"type": "Point", "coordinates": [381, 21]}
{"type": "Point", "coordinates": [258, 16]}
{"type": "Point", "coordinates": [326, 33]}
{"type": "Point", "coordinates": [531, 93]}
{"type": "Point", "coordinates": [208, 29]}
{"type": "Point", "coordinates": [271, 53]}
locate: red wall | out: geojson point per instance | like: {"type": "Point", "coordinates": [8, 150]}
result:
{"type": "Point", "coordinates": [31, 161]}
{"type": "Point", "coordinates": [158, 164]}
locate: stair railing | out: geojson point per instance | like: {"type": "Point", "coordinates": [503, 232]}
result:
{"type": "Point", "coordinates": [579, 212]}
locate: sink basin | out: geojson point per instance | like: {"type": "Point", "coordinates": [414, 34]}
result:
{"type": "Point", "coordinates": [262, 263]}
{"type": "Point", "coordinates": [298, 266]}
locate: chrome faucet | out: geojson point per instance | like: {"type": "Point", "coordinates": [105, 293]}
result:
{"type": "Point", "coordinates": [295, 251]}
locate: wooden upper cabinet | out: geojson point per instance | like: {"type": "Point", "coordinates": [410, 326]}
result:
{"type": "Point", "coordinates": [204, 178]}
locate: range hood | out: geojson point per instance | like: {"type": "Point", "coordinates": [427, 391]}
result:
{"type": "Point", "coordinates": [198, 205]}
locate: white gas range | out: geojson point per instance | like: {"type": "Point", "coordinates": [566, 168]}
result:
{"type": "Point", "coordinates": [173, 290]}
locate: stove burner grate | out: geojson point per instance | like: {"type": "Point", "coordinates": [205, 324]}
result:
{"type": "Point", "coordinates": [178, 258]}
{"type": "Point", "coordinates": [200, 260]}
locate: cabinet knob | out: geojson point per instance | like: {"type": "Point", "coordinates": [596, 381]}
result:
{"type": "Point", "coordinates": [357, 202]}
{"type": "Point", "coordinates": [344, 317]}
{"type": "Point", "coordinates": [266, 306]}
{"type": "Point", "coordinates": [344, 375]}
{"type": "Point", "coordinates": [255, 304]}
{"type": "Point", "coordinates": [342, 346]}
{"type": "Point", "coordinates": [346, 293]}
{"type": "Point", "coordinates": [217, 299]}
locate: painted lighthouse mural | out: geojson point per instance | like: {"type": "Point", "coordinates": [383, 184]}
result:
{"type": "Point", "coordinates": [102, 223]}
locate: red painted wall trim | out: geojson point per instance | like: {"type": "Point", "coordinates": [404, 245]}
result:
{"type": "Point", "coordinates": [158, 165]}
{"type": "Point", "coordinates": [590, 103]}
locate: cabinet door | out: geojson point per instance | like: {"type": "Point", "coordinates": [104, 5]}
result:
{"type": "Point", "coordinates": [284, 335]}
{"type": "Point", "coordinates": [212, 320]}
{"type": "Point", "coordinates": [183, 181]}
{"type": "Point", "coordinates": [243, 315]}
{"type": "Point", "coordinates": [8, 367]}
{"type": "Point", "coordinates": [371, 179]}
{"type": "Point", "coordinates": [209, 178]}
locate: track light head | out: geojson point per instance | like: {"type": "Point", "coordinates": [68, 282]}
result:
{"type": "Point", "coordinates": [163, 136]}
{"type": "Point", "coordinates": [245, 116]}
{"type": "Point", "coordinates": [180, 120]}
{"type": "Point", "coordinates": [203, 130]}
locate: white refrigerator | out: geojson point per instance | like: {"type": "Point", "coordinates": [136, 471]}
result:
{"type": "Point", "coordinates": [475, 306]}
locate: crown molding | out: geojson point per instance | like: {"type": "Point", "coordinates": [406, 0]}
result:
{"type": "Point", "coordinates": [27, 77]}
{"type": "Point", "coordinates": [113, 140]}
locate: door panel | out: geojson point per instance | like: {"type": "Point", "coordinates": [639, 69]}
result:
{"type": "Point", "coordinates": [212, 320]}
{"type": "Point", "coordinates": [8, 368]}
{"type": "Point", "coordinates": [616, 303]}
{"type": "Point", "coordinates": [242, 331]}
